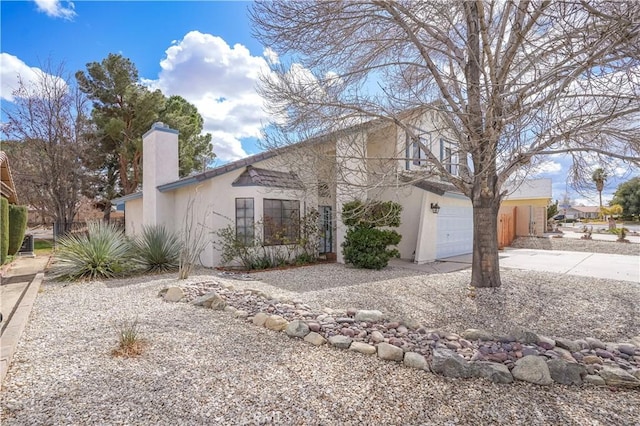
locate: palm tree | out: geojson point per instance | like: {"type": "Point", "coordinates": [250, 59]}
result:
{"type": "Point", "coordinates": [599, 176]}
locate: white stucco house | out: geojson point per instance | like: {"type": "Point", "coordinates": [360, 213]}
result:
{"type": "Point", "coordinates": [322, 173]}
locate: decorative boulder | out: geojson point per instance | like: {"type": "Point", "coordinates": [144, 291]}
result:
{"type": "Point", "coordinates": [448, 363]}
{"type": "Point", "coordinates": [532, 369]}
{"type": "Point", "coordinates": [390, 352]}
{"type": "Point", "coordinates": [173, 294]}
{"type": "Point", "coordinates": [297, 329]}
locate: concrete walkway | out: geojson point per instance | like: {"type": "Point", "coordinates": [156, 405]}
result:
{"type": "Point", "coordinates": [19, 287]}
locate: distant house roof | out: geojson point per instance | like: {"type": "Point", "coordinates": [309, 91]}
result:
{"type": "Point", "coordinates": [7, 187]}
{"type": "Point", "coordinates": [587, 209]}
{"type": "Point", "coordinates": [254, 176]}
{"type": "Point", "coordinates": [529, 189]}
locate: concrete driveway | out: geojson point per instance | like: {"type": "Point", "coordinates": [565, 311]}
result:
{"type": "Point", "coordinates": [609, 266]}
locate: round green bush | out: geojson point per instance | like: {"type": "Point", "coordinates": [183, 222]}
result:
{"type": "Point", "coordinates": [367, 247]}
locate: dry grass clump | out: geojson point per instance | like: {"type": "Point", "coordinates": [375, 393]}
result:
{"type": "Point", "coordinates": [130, 344]}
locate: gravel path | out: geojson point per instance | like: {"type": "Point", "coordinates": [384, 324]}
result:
{"type": "Point", "coordinates": [205, 367]}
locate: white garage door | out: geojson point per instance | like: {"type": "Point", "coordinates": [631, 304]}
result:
{"type": "Point", "coordinates": [455, 231]}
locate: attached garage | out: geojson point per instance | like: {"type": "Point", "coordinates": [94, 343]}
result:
{"type": "Point", "coordinates": [455, 231]}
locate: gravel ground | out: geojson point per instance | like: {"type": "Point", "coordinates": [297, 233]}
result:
{"type": "Point", "coordinates": [205, 367]}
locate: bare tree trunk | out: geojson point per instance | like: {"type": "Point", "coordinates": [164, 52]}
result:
{"type": "Point", "coordinates": [485, 271]}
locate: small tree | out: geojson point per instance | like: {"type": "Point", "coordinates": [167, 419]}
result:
{"type": "Point", "coordinates": [599, 176]}
{"type": "Point", "coordinates": [51, 136]}
{"type": "Point", "coordinates": [628, 196]}
{"type": "Point", "coordinates": [193, 239]}
{"type": "Point", "coordinates": [365, 245]}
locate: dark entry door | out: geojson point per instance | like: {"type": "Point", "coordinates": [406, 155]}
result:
{"type": "Point", "coordinates": [326, 229]}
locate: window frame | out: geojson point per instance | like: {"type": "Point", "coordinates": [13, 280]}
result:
{"type": "Point", "coordinates": [248, 236]}
{"type": "Point", "coordinates": [287, 221]}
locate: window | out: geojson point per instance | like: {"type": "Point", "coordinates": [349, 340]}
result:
{"type": "Point", "coordinates": [447, 157]}
{"type": "Point", "coordinates": [281, 221]}
{"type": "Point", "coordinates": [244, 220]}
{"type": "Point", "coordinates": [418, 154]}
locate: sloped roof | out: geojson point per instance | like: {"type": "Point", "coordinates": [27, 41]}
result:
{"type": "Point", "coordinates": [587, 209]}
{"type": "Point", "coordinates": [7, 186]}
{"type": "Point", "coordinates": [254, 176]}
{"type": "Point", "coordinates": [528, 189]}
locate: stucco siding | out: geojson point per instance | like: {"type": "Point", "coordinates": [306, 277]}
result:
{"type": "Point", "coordinates": [133, 216]}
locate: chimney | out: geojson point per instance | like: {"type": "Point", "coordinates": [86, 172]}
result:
{"type": "Point", "coordinates": [159, 166]}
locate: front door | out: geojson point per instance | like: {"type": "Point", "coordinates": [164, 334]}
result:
{"type": "Point", "coordinates": [326, 229]}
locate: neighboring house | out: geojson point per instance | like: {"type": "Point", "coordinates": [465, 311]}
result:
{"type": "Point", "coordinates": [582, 212]}
{"type": "Point", "coordinates": [437, 219]}
{"type": "Point", "coordinates": [7, 187]}
{"type": "Point", "coordinates": [523, 211]}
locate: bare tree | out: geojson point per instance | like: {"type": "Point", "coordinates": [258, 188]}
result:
{"type": "Point", "coordinates": [49, 126]}
{"type": "Point", "coordinates": [512, 82]}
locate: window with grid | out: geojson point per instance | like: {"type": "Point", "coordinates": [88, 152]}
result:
{"type": "Point", "coordinates": [245, 220]}
{"type": "Point", "coordinates": [448, 158]}
{"type": "Point", "coordinates": [281, 221]}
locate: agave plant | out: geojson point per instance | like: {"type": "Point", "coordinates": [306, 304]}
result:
{"type": "Point", "coordinates": [103, 252]}
{"type": "Point", "coordinates": [157, 249]}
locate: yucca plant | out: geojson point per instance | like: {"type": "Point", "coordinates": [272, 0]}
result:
{"type": "Point", "coordinates": [103, 252]}
{"type": "Point", "coordinates": [157, 249]}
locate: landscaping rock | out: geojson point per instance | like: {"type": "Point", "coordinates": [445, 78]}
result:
{"type": "Point", "coordinates": [532, 369]}
{"type": "Point", "coordinates": [390, 352]}
{"type": "Point", "coordinates": [615, 376]}
{"type": "Point", "coordinates": [218, 303]}
{"type": "Point", "coordinates": [276, 323]}
{"type": "Point", "coordinates": [476, 334]}
{"type": "Point", "coordinates": [627, 349]}
{"type": "Point", "coordinates": [567, 344]}
{"type": "Point", "coordinates": [415, 360]}
{"type": "Point", "coordinates": [340, 342]}
{"type": "Point", "coordinates": [527, 337]}
{"type": "Point", "coordinates": [566, 373]}
{"type": "Point", "coordinates": [173, 294]}
{"type": "Point", "coordinates": [592, 359]}
{"type": "Point", "coordinates": [315, 339]}
{"type": "Point", "coordinates": [260, 318]}
{"type": "Point", "coordinates": [564, 354]}
{"type": "Point", "coordinates": [363, 348]}
{"type": "Point", "coordinates": [297, 329]}
{"type": "Point", "coordinates": [241, 314]}
{"type": "Point", "coordinates": [377, 337]}
{"type": "Point", "coordinates": [449, 364]}
{"type": "Point", "coordinates": [546, 343]}
{"type": "Point", "coordinates": [497, 373]}
{"type": "Point", "coordinates": [369, 316]}
{"type": "Point", "coordinates": [595, 380]}
{"type": "Point", "coordinates": [205, 300]}
{"type": "Point", "coordinates": [595, 343]}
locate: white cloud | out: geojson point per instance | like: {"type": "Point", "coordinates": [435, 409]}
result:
{"type": "Point", "coordinates": [12, 69]}
{"type": "Point", "coordinates": [547, 167]}
{"type": "Point", "coordinates": [271, 56]}
{"type": "Point", "coordinates": [220, 81]}
{"type": "Point", "coordinates": [55, 9]}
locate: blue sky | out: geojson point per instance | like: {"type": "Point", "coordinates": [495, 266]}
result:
{"type": "Point", "coordinates": [201, 50]}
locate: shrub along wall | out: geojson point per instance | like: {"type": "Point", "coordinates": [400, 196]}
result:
{"type": "Point", "coordinates": [17, 227]}
{"type": "Point", "coordinates": [4, 230]}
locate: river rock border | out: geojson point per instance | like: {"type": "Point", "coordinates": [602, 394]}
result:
{"type": "Point", "coordinates": [522, 355]}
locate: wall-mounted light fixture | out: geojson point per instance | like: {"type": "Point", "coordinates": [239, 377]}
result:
{"type": "Point", "coordinates": [435, 208]}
